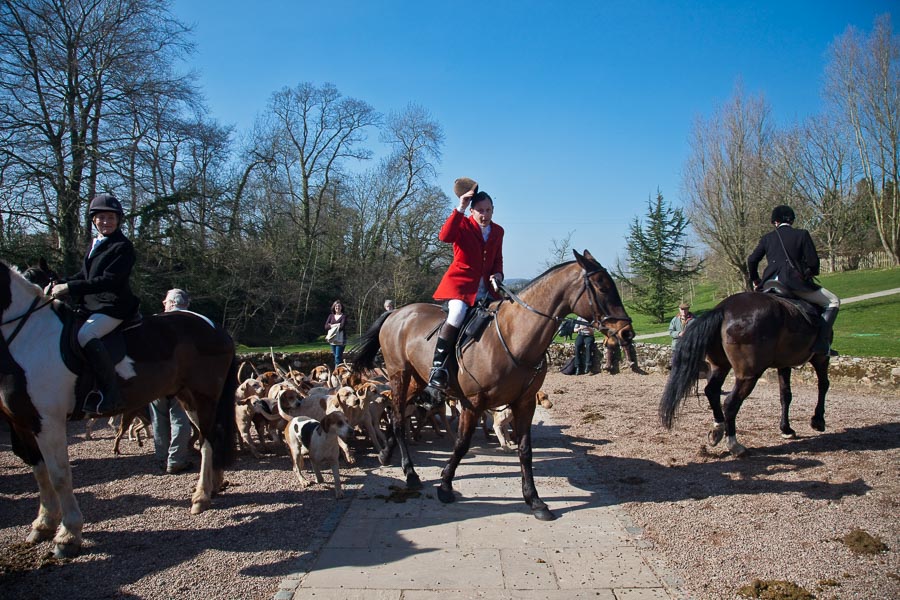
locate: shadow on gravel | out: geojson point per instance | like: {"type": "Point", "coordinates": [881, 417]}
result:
{"type": "Point", "coordinates": [719, 474]}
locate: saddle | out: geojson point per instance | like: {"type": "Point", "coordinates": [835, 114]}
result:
{"type": "Point", "coordinates": [73, 354]}
{"type": "Point", "coordinates": [811, 312]}
{"type": "Point", "coordinates": [477, 319]}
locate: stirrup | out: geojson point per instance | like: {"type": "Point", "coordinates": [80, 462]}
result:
{"type": "Point", "coordinates": [439, 378]}
{"type": "Point", "coordinates": [93, 402]}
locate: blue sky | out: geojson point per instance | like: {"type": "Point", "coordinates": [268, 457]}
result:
{"type": "Point", "coordinates": [570, 114]}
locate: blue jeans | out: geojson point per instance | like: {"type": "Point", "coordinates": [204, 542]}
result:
{"type": "Point", "coordinates": [583, 358]}
{"type": "Point", "coordinates": [338, 355]}
{"type": "Point", "coordinates": [171, 432]}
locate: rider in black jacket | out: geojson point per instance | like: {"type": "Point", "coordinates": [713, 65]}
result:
{"type": "Point", "coordinates": [102, 289]}
{"type": "Point", "coordinates": [793, 262]}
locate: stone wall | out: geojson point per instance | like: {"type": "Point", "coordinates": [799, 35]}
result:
{"type": "Point", "coordinates": [869, 371]}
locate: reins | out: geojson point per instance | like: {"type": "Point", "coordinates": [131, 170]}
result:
{"type": "Point", "coordinates": [600, 310]}
{"type": "Point", "coordinates": [33, 308]}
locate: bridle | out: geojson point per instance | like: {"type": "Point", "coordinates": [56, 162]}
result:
{"type": "Point", "coordinates": [599, 309]}
{"type": "Point", "coordinates": [599, 313]}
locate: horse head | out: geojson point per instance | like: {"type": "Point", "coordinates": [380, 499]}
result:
{"type": "Point", "coordinates": [599, 300]}
{"type": "Point", "coordinates": [40, 274]}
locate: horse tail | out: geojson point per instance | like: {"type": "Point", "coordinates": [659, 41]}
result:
{"type": "Point", "coordinates": [367, 347]}
{"type": "Point", "coordinates": [687, 361]}
{"type": "Point", "coordinates": [225, 429]}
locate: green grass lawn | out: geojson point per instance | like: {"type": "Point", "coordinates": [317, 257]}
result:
{"type": "Point", "coordinates": [310, 347]}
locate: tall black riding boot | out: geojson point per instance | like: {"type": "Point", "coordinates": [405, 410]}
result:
{"type": "Point", "coordinates": [106, 399]}
{"type": "Point", "coordinates": [439, 379]}
{"type": "Point", "coordinates": [825, 332]}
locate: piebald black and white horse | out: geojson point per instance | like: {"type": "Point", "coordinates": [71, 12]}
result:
{"type": "Point", "coordinates": [170, 354]}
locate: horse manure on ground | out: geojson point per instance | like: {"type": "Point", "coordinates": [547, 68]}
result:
{"type": "Point", "coordinates": [399, 494]}
{"type": "Point", "coordinates": [591, 415]}
{"type": "Point", "coordinates": [773, 589]}
{"type": "Point", "coordinates": [22, 556]}
{"type": "Point", "coordinates": [861, 542]}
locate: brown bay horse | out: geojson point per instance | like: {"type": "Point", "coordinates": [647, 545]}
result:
{"type": "Point", "coordinates": [748, 332]}
{"type": "Point", "coordinates": [505, 367]}
{"type": "Point", "coordinates": [177, 354]}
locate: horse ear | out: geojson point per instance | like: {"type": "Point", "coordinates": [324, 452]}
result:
{"type": "Point", "coordinates": [578, 257]}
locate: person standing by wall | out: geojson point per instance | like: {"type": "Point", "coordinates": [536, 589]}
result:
{"type": "Point", "coordinates": [584, 348]}
{"type": "Point", "coordinates": [678, 324]}
{"type": "Point", "coordinates": [171, 424]}
{"type": "Point", "coordinates": [336, 328]}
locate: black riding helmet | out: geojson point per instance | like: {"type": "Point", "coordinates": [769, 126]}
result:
{"type": "Point", "coordinates": [105, 203]}
{"type": "Point", "coordinates": [783, 214]}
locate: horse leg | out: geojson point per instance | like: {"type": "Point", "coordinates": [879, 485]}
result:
{"type": "Point", "coordinates": [413, 482]}
{"type": "Point", "coordinates": [467, 424]}
{"type": "Point", "coordinates": [784, 390]}
{"type": "Point", "coordinates": [202, 496]}
{"type": "Point", "coordinates": [58, 474]}
{"type": "Point", "coordinates": [820, 364]}
{"type": "Point", "coordinates": [390, 442]}
{"type": "Point", "coordinates": [43, 528]}
{"type": "Point", "coordinates": [523, 413]}
{"type": "Point", "coordinates": [713, 392]}
{"type": "Point", "coordinates": [400, 386]}
{"type": "Point", "coordinates": [742, 388]}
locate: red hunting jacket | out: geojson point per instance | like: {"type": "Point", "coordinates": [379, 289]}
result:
{"type": "Point", "coordinates": [473, 258]}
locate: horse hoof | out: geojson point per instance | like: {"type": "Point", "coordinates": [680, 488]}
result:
{"type": "Point", "coordinates": [543, 514]}
{"type": "Point", "coordinates": [445, 496]}
{"type": "Point", "coordinates": [817, 424]}
{"type": "Point", "coordinates": [199, 507]}
{"type": "Point", "coordinates": [738, 451]}
{"type": "Point", "coordinates": [384, 458]}
{"type": "Point", "coordinates": [39, 535]}
{"type": "Point", "coordinates": [66, 550]}
{"type": "Point", "coordinates": [413, 482]}
{"type": "Point", "coordinates": [715, 436]}
{"type": "Point", "coordinates": [790, 434]}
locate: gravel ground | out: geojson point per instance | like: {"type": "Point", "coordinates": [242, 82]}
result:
{"type": "Point", "coordinates": [780, 513]}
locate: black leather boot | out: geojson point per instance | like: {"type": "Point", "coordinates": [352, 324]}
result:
{"type": "Point", "coordinates": [439, 378]}
{"type": "Point", "coordinates": [823, 341]}
{"type": "Point", "coordinates": [106, 399]}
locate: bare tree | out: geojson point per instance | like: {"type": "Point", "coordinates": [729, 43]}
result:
{"type": "Point", "coordinates": [560, 251]}
{"type": "Point", "coordinates": [66, 69]}
{"type": "Point", "coordinates": [729, 179]}
{"type": "Point", "coordinates": [863, 81]}
{"type": "Point", "coordinates": [824, 169]}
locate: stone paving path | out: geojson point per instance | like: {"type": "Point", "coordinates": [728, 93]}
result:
{"type": "Point", "coordinates": [486, 545]}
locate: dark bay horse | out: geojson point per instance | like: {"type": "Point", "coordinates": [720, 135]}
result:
{"type": "Point", "coordinates": [748, 332]}
{"type": "Point", "coordinates": [506, 367]}
{"type": "Point", "coordinates": [171, 354]}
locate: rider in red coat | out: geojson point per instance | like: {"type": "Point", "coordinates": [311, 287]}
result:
{"type": "Point", "coordinates": [477, 265]}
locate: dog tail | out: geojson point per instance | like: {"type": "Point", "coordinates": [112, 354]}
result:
{"type": "Point", "coordinates": [367, 347]}
{"type": "Point", "coordinates": [225, 431]}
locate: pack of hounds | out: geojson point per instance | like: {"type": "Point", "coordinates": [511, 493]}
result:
{"type": "Point", "coordinates": [312, 417]}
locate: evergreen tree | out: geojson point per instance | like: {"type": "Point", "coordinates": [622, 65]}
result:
{"type": "Point", "coordinates": [659, 259]}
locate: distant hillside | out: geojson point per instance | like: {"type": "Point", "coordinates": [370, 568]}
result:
{"type": "Point", "coordinates": [516, 284]}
